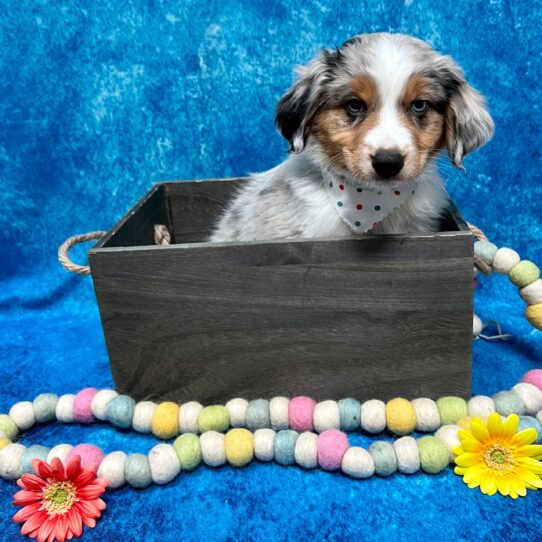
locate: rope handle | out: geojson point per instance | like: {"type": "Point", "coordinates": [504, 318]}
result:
{"type": "Point", "coordinates": [64, 248]}
{"type": "Point", "coordinates": [161, 237]}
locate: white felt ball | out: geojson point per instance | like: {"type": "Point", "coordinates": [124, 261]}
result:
{"type": "Point", "coordinates": [213, 451]}
{"type": "Point", "coordinates": [408, 455]}
{"type": "Point", "coordinates": [447, 434]}
{"type": "Point", "coordinates": [64, 408]}
{"type": "Point", "coordinates": [373, 416]}
{"type": "Point", "coordinates": [164, 463]}
{"type": "Point", "coordinates": [278, 413]}
{"type": "Point", "coordinates": [306, 450]}
{"type": "Point", "coordinates": [477, 325]}
{"type": "Point", "coordinates": [237, 410]}
{"type": "Point", "coordinates": [142, 418]}
{"type": "Point", "coordinates": [112, 468]}
{"type": "Point", "coordinates": [481, 406]}
{"type": "Point", "coordinates": [358, 463]}
{"type": "Point", "coordinates": [188, 417]}
{"type": "Point", "coordinates": [427, 414]}
{"type": "Point", "coordinates": [10, 460]}
{"type": "Point", "coordinates": [532, 294]}
{"type": "Point", "coordinates": [539, 417]}
{"type": "Point", "coordinates": [60, 451]}
{"type": "Point", "coordinates": [326, 416]}
{"type": "Point", "coordinates": [531, 397]}
{"type": "Point", "coordinates": [100, 402]}
{"type": "Point", "coordinates": [505, 259]}
{"type": "Point", "coordinates": [264, 441]}
{"type": "Point", "coordinates": [23, 415]}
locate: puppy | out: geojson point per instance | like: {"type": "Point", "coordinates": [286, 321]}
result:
{"type": "Point", "coordinates": [365, 124]}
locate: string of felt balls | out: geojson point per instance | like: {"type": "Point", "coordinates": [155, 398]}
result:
{"type": "Point", "coordinates": [522, 273]}
{"type": "Point", "coordinates": [288, 431]}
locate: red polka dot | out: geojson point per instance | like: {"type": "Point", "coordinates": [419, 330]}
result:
{"type": "Point", "coordinates": [397, 193]}
{"type": "Point", "coordinates": [341, 187]}
{"type": "Point", "coordinates": [359, 206]}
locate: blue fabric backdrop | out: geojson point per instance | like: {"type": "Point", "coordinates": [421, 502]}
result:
{"type": "Point", "coordinates": [99, 99]}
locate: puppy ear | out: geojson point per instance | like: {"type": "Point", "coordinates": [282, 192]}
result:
{"type": "Point", "coordinates": [468, 122]}
{"type": "Point", "coordinates": [298, 106]}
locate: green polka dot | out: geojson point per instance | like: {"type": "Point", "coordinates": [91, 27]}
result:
{"type": "Point", "coordinates": [330, 185]}
{"type": "Point", "coordinates": [340, 203]}
{"type": "Point", "coordinates": [359, 189]}
{"type": "Point", "coordinates": [379, 192]}
{"type": "Point", "coordinates": [357, 223]}
{"type": "Point", "coordinates": [414, 191]}
{"type": "Point", "coordinates": [377, 207]}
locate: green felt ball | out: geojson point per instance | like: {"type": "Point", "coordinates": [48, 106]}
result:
{"type": "Point", "coordinates": [214, 418]}
{"type": "Point", "coordinates": [524, 273]}
{"type": "Point", "coordinates": [451, 409]}
{"type": "Point", "coordinates": [8, 427]}
{"type": "Point", "coordinates": [384, 458]}
{"type": "Point", "coordinates": [188, 450]}
{"type": "Point", "coordinates": [434, 456]}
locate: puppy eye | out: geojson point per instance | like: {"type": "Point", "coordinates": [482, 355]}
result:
{"type": "Point", "coordinates": [419, 106]}
{"type": "Point", "coordinates": [355, 107]}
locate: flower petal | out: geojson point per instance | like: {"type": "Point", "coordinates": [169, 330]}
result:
{"type": "Point", "coordinates": [488, 485]}
{"type": "Point", "coordinates": [31, 482]}
{"type": "Point", "coordinates": [470, 444]}
{"type": "Point", "coordinates": [473, 474]}
{"type": "Point", "coordinates": [531, 464]}
{"type": "Point", "coordinates": [84, 478]}
{"type": "Point", "coordinates": [510, 426]}
{"type": "Point", "coordinates": [47, 527]}
{"type": "Point", "coordinates": [61, 527]}
{"type": "Point", "coordinates": [90, 492]}
{"type": "Point", "coordinates": [503, 485]}
{"type": "Point", "coordinates": [100, 504]}
{"type": "Point", "coordinates": [34, 522]}
{"type": "Point", "coordinates": [530, 450]}
{"type": "Point", "coordinates": [88, 509]}
{"type": "Point", "coordinates": [42, 468]}
{"type": "Point", "coordinates": [468, 460]}
{"type": "Point", "coordinates": [73, 469]}
{"type": "Point", "coordinates": [479, 431]}
{"type": "Point", "coordinates": [494, 425]}
{"type": "Point", "coordinates": [89, 522]}
{"type": "Point", "coordinates": [74, 522]}
{"type": "Point", "coordinates": [529, 477]}
{"type": "Point", "coordinates": [26, 497]}
{"type": "Point", "coordinates": [527, 436]}
{"type": "Point", "coordinates": [27, 512]}
{"type": "Point", "coordinates": [59, 473]}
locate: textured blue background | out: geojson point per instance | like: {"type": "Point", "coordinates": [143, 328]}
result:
{"type": "Point", "coordinates": [99, 99]}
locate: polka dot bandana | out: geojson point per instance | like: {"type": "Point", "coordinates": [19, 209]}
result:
{"type": "Point", "coordinates": [362, 208]}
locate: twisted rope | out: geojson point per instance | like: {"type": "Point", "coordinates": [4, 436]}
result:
{"type": "Point", "coordinates": [161, 237]}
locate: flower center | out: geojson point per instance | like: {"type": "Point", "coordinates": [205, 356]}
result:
{"type": "Point", "coordinates": [499, 458]}
{"type": "Point", "coordinates": [58, 497]}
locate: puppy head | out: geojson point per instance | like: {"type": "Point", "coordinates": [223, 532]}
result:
{"type": "Point", "coordinates": [381, 106]}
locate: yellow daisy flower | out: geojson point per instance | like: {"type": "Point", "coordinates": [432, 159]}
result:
{"type": "Point", "coordinates": [494, 456]}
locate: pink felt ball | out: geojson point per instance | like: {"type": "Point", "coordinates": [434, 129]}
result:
{"type": "Point", "coordinates": [82, 411]}
{"type": "Point", "coordinates": [87, 452]}
{"type": "Point", "coordinates": [332, 445]}
{"type": "Point", "coordinates": [300, 410]}
{"type": "Point", "coordinates": [534, 377]}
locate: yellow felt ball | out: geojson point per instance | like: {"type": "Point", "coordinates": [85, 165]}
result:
{"type": "Point", "coordinates": [239, 445]}
{"type": "Point", "coordinates": [4, 442]}
{"type": "Point", "coordinates": [400, 416]}
{"type": "Point", "coordinates": [165, 420]}
{"type": "Point", "coordinates": [534, 315]}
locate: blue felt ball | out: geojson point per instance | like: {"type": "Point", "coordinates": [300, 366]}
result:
{"type": "Point", "coordinates": [508, 402]}
{"type": "Point", "coordinates": [384, 458]}
{"type": "Point", "coordinates": [257, 416]}
{"type": "Point", "coordinates": [120, 411]}
{"type": "Point", "coordinates": [350, 414]}
{"type": "Point", "coordinates": [33, 452]}
{"type": "Point", "coordinates": [284, 446]}
{"type": "Point", "coordinates": [137, 471]}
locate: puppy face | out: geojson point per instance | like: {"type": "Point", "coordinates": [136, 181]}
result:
{"type": "Point", "coordinates": [381, 106]}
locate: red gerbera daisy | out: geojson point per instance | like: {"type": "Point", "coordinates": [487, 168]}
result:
{"type": "Point", "coordinates": [57, 500]}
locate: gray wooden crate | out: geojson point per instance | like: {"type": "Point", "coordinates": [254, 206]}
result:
{"type": "Point", "coordinates": [375, 317]}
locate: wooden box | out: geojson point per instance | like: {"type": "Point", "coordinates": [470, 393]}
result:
{"type": "Point", "coordinates": [368, 318]}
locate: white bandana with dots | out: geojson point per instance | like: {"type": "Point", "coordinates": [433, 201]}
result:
{"type": "Point", "coordinates": [363, 208]}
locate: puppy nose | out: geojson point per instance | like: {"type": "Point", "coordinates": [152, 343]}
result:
{"type": "Point", "coordinates": [388, 163]}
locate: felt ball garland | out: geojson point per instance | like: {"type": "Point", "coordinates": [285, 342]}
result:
{"type": "Point", "coordinates": [522, 273]}
{"type": "Point", "coordinates": [290, 440]}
